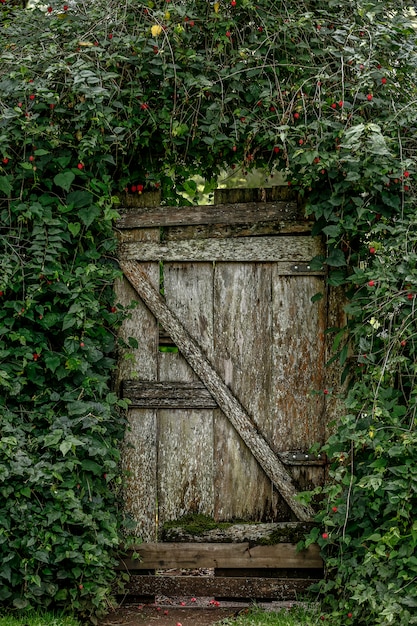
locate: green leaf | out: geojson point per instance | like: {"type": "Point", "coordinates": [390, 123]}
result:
{"type": "Point", "coordinates": [74, 228]}
{"type": "Point", "coordinates": [89, 214]}
{"type": "Point", "coordinates": [5, 185]}
{"type": "Point", "coordinates": [79, 198]}
{"type": "Point", "coordinates": [317, 297]}
{"type": "Point", "coordinates": [336, 258]}
{"type": "Point", "coordinates": [64, 179]}
{"type": "Point", "coordinates": [52, 361]}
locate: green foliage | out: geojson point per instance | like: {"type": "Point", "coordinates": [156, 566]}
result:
{"type": "Point", "coordinates": [31, 618]}
{"type": "Point", "coordinates": [297, 615]}
{"type": "Point", "coordinates": [102, 97]}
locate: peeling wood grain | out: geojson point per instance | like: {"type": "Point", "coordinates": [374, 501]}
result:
{"type": "Point", "coordinates": [243, 249]}
{"type": "Point", "coordinates": [185, 448]}
{"type": "Point", "coordinates": [214, 383]}
{"type": "Point", "coordinates": [260, 195]}
{"type": "Point", "coordinates": [139, 450]}
{"type": "Point", "coordinates": [208, 214]}
{"type": "Point", "coordinates": [175, 395]}
{"type": "Point", "coordinates": [242, 358]}
{"type": "Point", "coordinates": [223, 231]}
{"type": "Point", "coordinates": [223, 555]}
{"type": "Point", "coordinates": [248, 588]}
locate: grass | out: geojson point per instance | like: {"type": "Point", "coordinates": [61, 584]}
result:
{"type": "Point", "coordinates": [295, 616]}
{"type": "Point", "coordinates": [37, 619]}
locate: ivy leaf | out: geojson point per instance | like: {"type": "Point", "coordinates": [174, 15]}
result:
{"type": "Point", "coordinates": [336, 258]}
{"type": "Point", "coordinates": [89, 214]}
{"type": "Point", "coordinates": [74, 228]}
{"type": "Point", "coordinates": [64, 179]}
{"type": "Point", "coordinates": [5, 185]}
{"type": "Point", "coordinates": [52, 362]}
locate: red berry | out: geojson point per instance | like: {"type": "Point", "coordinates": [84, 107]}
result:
{"type": "Point", "coordinates": [110, 36]}
{"type": "Point", "coordinates": [322, 618]}
{"type": "Point", "coordinates": [369, 97]}
{"type": "Point", "coordinates": [406, 188]}
{"type": "Point", "coordinates": [1, 293]}
{"type": "Point", "coordinates": [32, 96]}
{"type": "Point", "coordinates": [35, 356]}
{"type": "Point", "coordinates": [403, 343]}
{"type": "Point", "coordinates": [334, 105]}
{"type": "Point", "coordinates": [144, 106]}
{"type": "Point", "coordinates": [5, 160]}
{"type": "Point", "coordinates": [52, 105]}
{"type": "Point", "coordinates": [80, 586]}
{"type": "Point", "coordinates": [410, 296]}
{"type": "Point", "coordinates": [325, 535]}
{"type": "Point", "coordinates": [316, 159]}
{"type": "Point", "coordinates": [406, 174]}
{"type": "Point", "coordinates": [31, 158]}
{"type": "Point", "coordinates": [133, 188]}
{"type": "Point", "coordinates": [371, 283]}
{"type": "Point", "coordinates": [140, 188]}
{"type": "Point", "coordinates": [82, 344]}
{"type": "Point", "coordinates": [334, 509]}
{"type": "Point", "coordinates": [191, 23]}
{"type": "Point", "coordinates": [233, 3]}
{"type": "Point", "coordinates": [276, 149]}
{"type": "Point", "coordinates": [50, 9]}
{"type": "Point", "coordinates": [65, 7]}
{"type": "Point", "coordinates": [113, 309]}
{"type": "Point", "coordinates": [80, 166]}
{"type": "Point", "coordinates": [372, 250]}
{"type": "Point", "coordinates": [383, 80]}
{"type": "Point", "coordinates": [228, 33]}
{"type": "Point", "coordinates": [296, 115]}
{"type": "Point", "coordinates": [350, 615]}
{"type": "Point", "coordinates": [326, 392]}
{"type": "Point", "coordinates": [301, 141]}
{"type": "Point", "coordinates": [234, 148]}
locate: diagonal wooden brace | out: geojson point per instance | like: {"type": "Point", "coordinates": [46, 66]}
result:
{"type": "Point", "coordinates": [231, 407]}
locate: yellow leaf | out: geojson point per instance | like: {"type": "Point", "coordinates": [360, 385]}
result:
{"type": "Point", "coordinates": [87, 44]}
{"type": "Point", "coordinates": [156, 30]}
{"type": "Point", "coordinates": [167, 15]}
{"type": "Point", "coordinates": [216, 7]}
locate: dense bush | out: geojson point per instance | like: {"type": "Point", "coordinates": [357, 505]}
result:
{"type": "Point", "coordinates": [104, 97]}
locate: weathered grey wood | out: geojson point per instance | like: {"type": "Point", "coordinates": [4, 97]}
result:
{"type": "Point", "coordinates": [262, 195]}
{"type": "Point", "coordinates": [270, 463]}
{"type": "Point", "coordinates": [222, 555]}
{"type": "Point", "coordinates": [139, 458]}
{"type": "Point", "coordinates": [174, 395]}
{"type": "Point", "coordinates": [244, 249]}
{"type": "Point", "coordinates": [281, 532]}
{"type": "Point", "coordinates": [248, 588]}
{"type": "Point", "coordinates": [298, 352]}
{"type": "Point", "coordinates": [243, 360]}
{"type": "Point", "coordinates": [224, 231]}
{"type": "Point", "coordinates": [185, 449]}
{"type": "Point", "coordinates": [208, 214]}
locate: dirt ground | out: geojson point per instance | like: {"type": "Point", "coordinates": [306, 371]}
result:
{"type": "Point", "coordinates": [180, 612]}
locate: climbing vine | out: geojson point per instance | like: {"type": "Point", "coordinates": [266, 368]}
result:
{"type": "Point", "coordinates": [101, 99]}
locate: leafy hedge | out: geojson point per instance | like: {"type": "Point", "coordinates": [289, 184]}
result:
{"type": "Point", "coordinates": [104, 97]}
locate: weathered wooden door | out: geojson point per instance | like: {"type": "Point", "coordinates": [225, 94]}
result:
{"type": "Point", "coordinates": [226, 380]}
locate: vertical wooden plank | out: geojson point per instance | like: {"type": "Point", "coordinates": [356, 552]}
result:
{"type": "Point", "coordinates": [296, 418]}
{"type": "Point", "coordinates": [185, 437]}
{"type": "Point", "coordinates": [242, 296]}
{"type": "Point", "coordinates": [139, 449]}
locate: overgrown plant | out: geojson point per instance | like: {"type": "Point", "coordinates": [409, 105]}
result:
{"type": "Point", "coordinates": [111, 97]}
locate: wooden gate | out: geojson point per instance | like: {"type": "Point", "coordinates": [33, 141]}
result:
{"type": "Point", "coordinates": [226, 380]}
